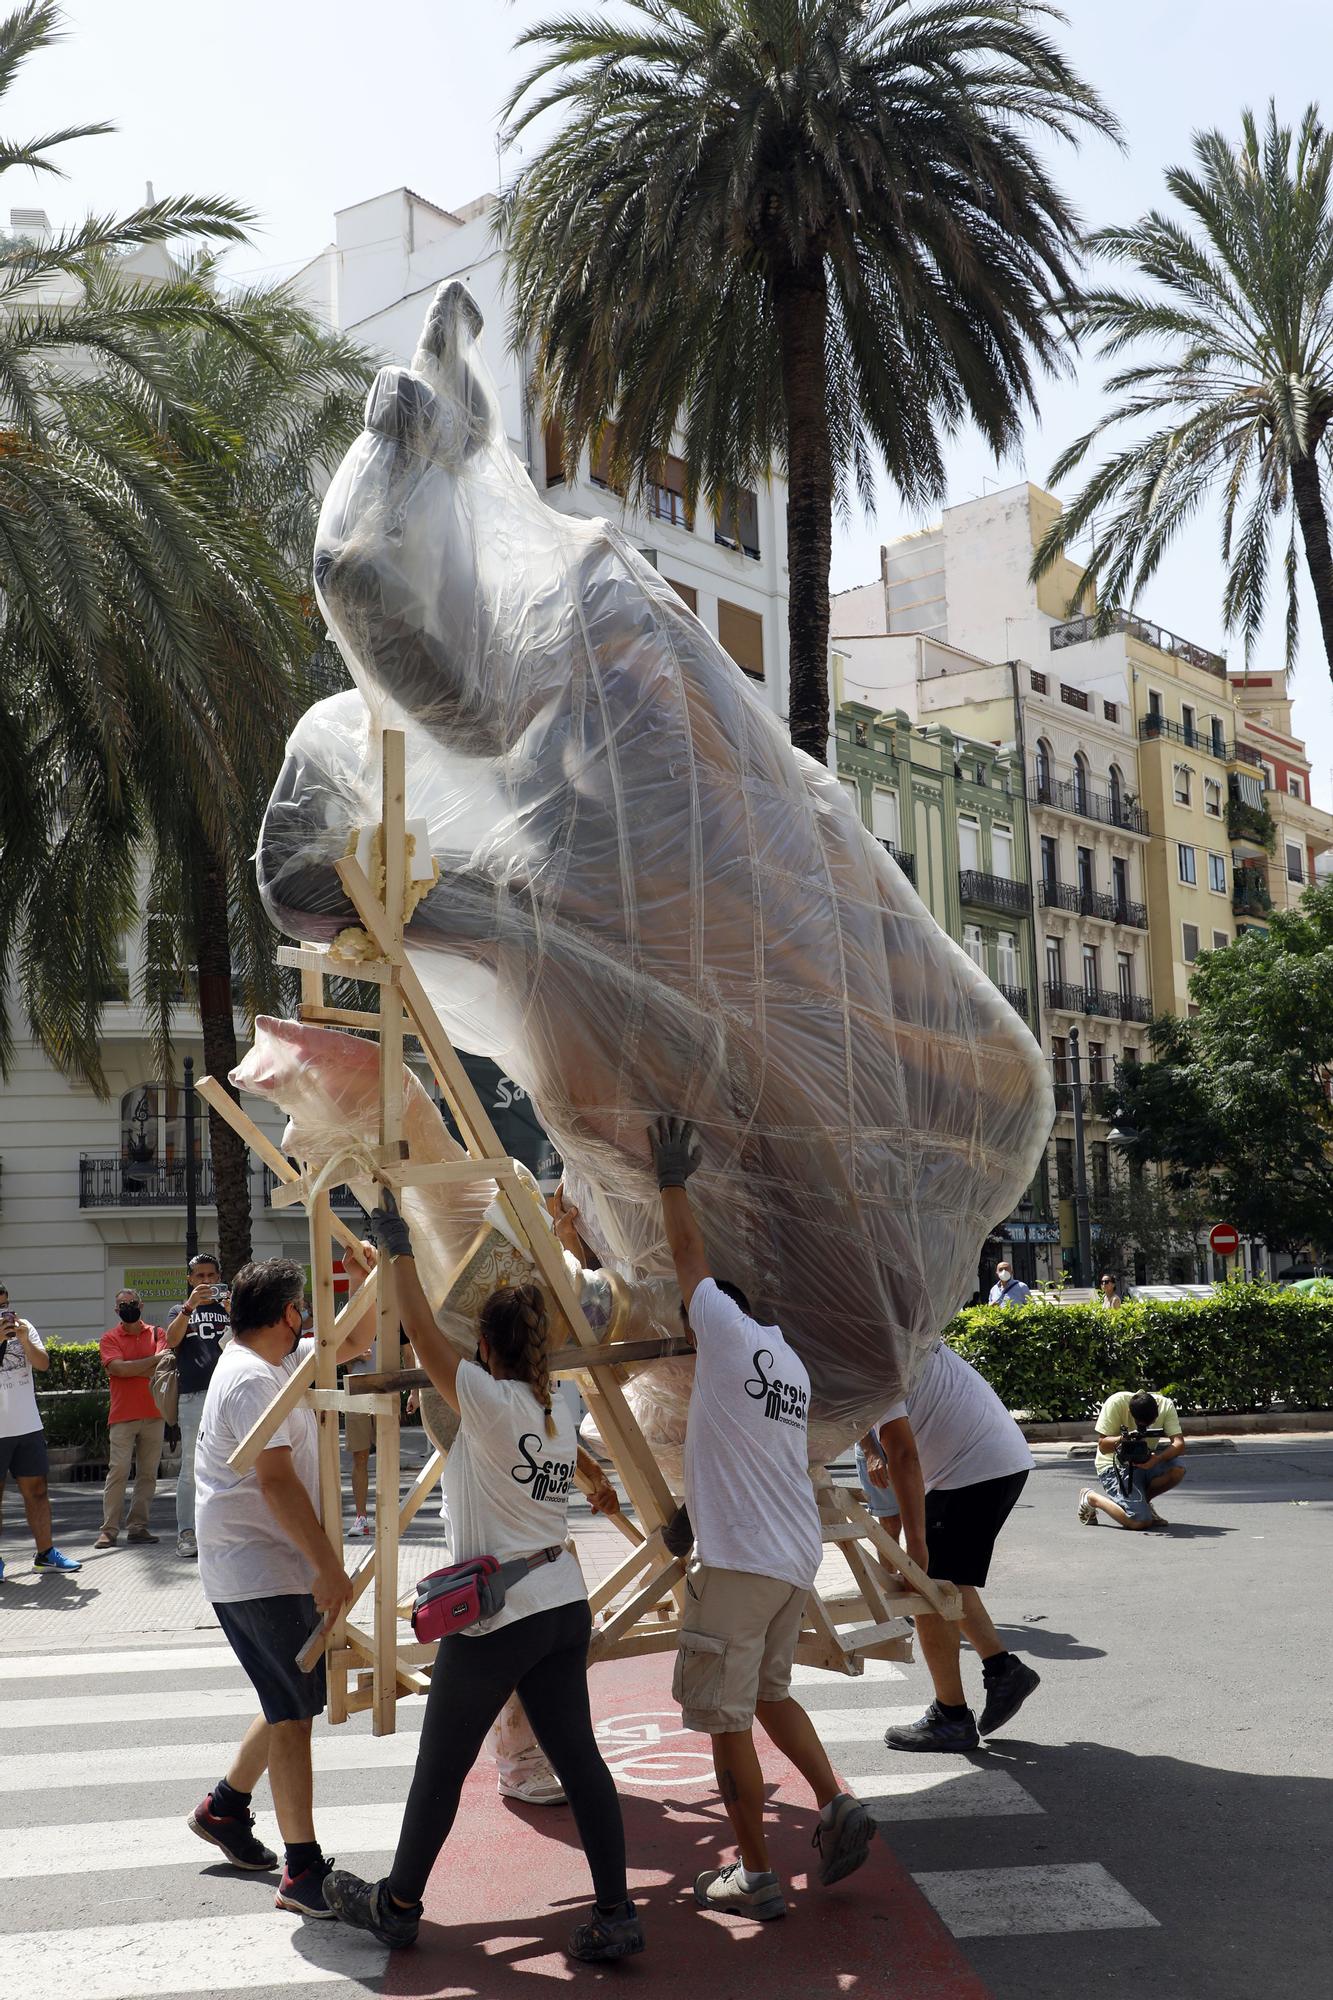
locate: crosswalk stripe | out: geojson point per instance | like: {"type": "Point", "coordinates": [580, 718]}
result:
{"type": "Point", "coordinates": [111, 1846]}
{"type": "Point", "coordinates": [873, 1670]}
{"type": "Point", "coordinates": [146, 1705]}
{"type": "Point", "coordinates": [331, 1750]}
{"type": "Point", "coordinates": [917, 1795]}
{"type": "Point", "coordinates": [860, 1725]}
{"type": "Point", "coordinates": [165, 1660]}
{"type": "Point", "coordinates": [204, 1955]}
{"type": "Point", "coordinates": [1033, 1902]}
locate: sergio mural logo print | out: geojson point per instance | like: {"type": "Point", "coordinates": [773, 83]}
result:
{"type": "Point", "coordinates": [785, 1402]}
{"type": "Point", "coordinates": [550, 1479]}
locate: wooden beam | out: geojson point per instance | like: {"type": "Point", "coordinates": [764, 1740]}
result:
{"type": "Point", "coordinates": [609, 1589]}
{"type": "Point", "coordinates": [565, 1361]}
{"type": "Point", "coordinates": [300, 1384]}
{"type": "Point", "coordinates": [317, 958]}
{"type": "Point", "coordinates": [336, 1017]}
{"type": "Point", "coordinates": [326, 1377]}
{"type": "Point", "coordinates": [226, 1106]}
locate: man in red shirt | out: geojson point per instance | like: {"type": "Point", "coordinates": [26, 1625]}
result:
{"type": "Point", "coordinates": [129, 1354]}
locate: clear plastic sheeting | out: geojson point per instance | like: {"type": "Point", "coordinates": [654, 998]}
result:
{"type": "Point", "coordinates": [648, 901]}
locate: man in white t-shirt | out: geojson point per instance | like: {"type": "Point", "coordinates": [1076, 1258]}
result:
{"type": "Point", "coordinates": [269, 1571]}
{"type": "Point", "coordinates": [957, 1462]}
{"type": "Point", "coordinates": [758, 1545]}
{"type": "Point", "coordinates": [22, 1438]}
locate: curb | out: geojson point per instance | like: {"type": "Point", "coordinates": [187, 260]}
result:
{"type": "Point", "coordinates": [1259, 1425]}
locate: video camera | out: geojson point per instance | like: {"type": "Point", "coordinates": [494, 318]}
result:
{"type": "Point", "coordinates": [1134, 1447]}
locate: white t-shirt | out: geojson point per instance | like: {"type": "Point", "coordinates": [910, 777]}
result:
{"type": "Point", "coordinates": [244, 1551]}
{"type": "Point", "coordinates": [747, 1478]}
{"type": "Point", "coordinates": [507, 1488]}
{"type": "Point", "coordinates": [19, 1415]}
{"type": "Point", "coordinates": [963, 1432]}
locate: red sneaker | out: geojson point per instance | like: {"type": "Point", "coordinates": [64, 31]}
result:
{"type": "Point", "coordinates": [236, 1837]}
{"type": "Point", "coordinates": [304, 1893]}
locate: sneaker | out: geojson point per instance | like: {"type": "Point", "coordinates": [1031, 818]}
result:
{"type": "Point", "coordinates": [236, 1837]}
{"type": "Point", "coordinates": [844, 1841]}
{"type": "Point", "coordinates": [1087, 1513]}
{"type": "Point", "coordinates": [54, 1560]}
{"type": "Point", "coordinates": [935, 1732]}
{"type": "Point", "coordinates": [187, 1546]}
{"type": "Point", "coordinates": [367, 1906]}
{"type": "Point", "coordinates": [1005, 1694]}
{"type": "Point", "coordinates": [304, 1893]}
{"type": "Point", "coordinates": [141, 1535]}
{"type": "Point", "coordinates": [604, 1938]}
{"type": "Point", "coordinates": [360, 1530]}
{"type": "Point", "coordinates": [105, 1541]}
{"type": "Point", "coordinates": [539, 1788]}
{"type": "Point", "coordinates": [721, 1889]}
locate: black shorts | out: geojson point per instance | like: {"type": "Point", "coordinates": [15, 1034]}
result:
{"type": "Point", "coordinates": [962, 1524]}
{"type": "Point", "coordinates": [24, 1457]}
{"type": "Point", "coordinates": [266, 1634]}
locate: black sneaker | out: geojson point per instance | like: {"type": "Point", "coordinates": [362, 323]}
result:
{"type": "Point", "coordinates": [1005, 1694]}
{"type": "Point", "coordinates": [367, 1906]}
{"type": "Point", "coordinates": [844, 1842]}
{"type": "Point", "coordinates": [304, 1893]}
{"type": "Point", "coordinates": [935, 1732]}
{"type": "Point", "coordinates": [236, 1837]}
{"type": "Point", "coordinates": [605, 1938]}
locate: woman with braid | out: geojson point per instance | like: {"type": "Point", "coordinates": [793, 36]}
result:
{"type": "Point", "coordinates": [507, 1483]}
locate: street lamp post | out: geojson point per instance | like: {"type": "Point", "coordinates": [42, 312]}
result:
{"type": "Point", "coordinates": [191, 1170]}
{"type": "Point", "coordinates": [1082, 1220]}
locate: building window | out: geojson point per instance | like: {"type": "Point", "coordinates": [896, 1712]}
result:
{"type": "Point", "coordinates": [1044, 774]}
{"type": "Point", "coordinates": [1086, 881]}
{"type": "Point", "coordinates": [1295, 785]}
{"type": "Point", "coordinates": [1111, 711]}
{"type": "Point", "coordinates": [553, 450]}
{"type": "Point", "coordinates": [1124, 965]}
{"type": "Point", "coordinates": [1270, 776]}
{"type": "Point", "coordinates": [1050, 862]}
{"type": "Point", "coordinates": [1064, 1168]}
{"type": "Point", "coordinates": [1002, 851]}
{"type": "Point", "coordinates": [1006, 958]}
{"type": "Point", "coordinates": [1092, 977]}
{"type": "Point", "coordinates": [973, 946]}
{"type": "Point", "coordinates": [1080, 783]}
{"type": "Point", "coordinates": [1060, 1059]}
{"type": "Point", "coordinates": [1212, 798]}
{"type": "Point", "coordinates": [152, 1127]}
{"type": "Point", "coordinates": [1181, 784]}
{"type": "Point", "coordinates": [686, 592]}
{"type": "Point", "coordinates": [969, 842]}
{"type": "Point", "coordinates": [741, 634]}
{"type": "Point", "coordinates": [1055, 962]}
{"type": "Point", "coordinates": [1101, 1165]}
{"type": "Point", "coordinates": [884, 822]}
{"type": "Point", "coordinates": [1154, 704]}
{"type": "Point", "coordinates": [1217, 873]}
{"type": "Point", "coordinates": [1096, 1062]}
{"type": "Point", "coordinates": [853, 791]}
{"type": "Point", "coordinates": [738, 523]}
{"type": "Point", "coordinates": [1187, 722]}
{"type": "Point", "coordinates": [1295, 863]}
{"type": "Point", "coordinates": [1185, 863]}
{"type": "Point", "coordinates": [1221, 939]}
{"type": "Point", "coordinates": [1218, 728]}
{"type": "Point", "coordinates": [1189, 938]}
{"type": "Point", "coordinates": [1117, 789]}
{"type": "Point", "coordinates": [1120, 882]}
{"type": "Point", "coordinates": [666, 493]}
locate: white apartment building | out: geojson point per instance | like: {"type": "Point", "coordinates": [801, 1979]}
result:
{"type": "Point", "coordinates": [375, 281]}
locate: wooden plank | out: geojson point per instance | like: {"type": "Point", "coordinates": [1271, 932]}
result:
{"type": "Point", "coordinates": [638, 1560]}
{"type": "Point", "coordinates": [316, 958]}
{"type": "Point", "coordinates": [225, 1104]}
{"type": "Point", "coordinates": [312, 982]}
{"type": "Point", "coordinates": [634, 1645]}
{"type": "Point", "coordinates": [300, 1384]}
{"type": "Point", "coordinates": [363, 1574]}
{"type": "Point", "coordinates": [565, 1361]}
{"type": "Point", "coordinates": [326, 1377]}
{"type": "Point", "coordinates": [336, 1017]}
{"type": "Point", "coordinates": [445, 1173]}
{"type": "Point", "coordinates": [648, 1595]}
{"type": "Point", "coordinates": [342, 1404]}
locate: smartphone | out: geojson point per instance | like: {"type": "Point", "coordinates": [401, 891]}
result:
{"type": "Point", "coordinates": [8, 1317]}
{"type": "Point", "coordinates": [221, 1293]}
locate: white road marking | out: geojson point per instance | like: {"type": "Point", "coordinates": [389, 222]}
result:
{"type": "Point", "coordinates": [110, 1846]}
{"type": "Point", "coordinates": [206, 1955]}
{"type": "Point", "coordinates": [1032, 1902]}
{"type": "Point", "coordinates": [165, 1660]}
{"type": "Point", "coordinates": [148, 1705]}
{"type": "Point", "coordinates": [332, 1750]}
{"type": "Point", "coordinates": [862, 1725]}
{"type": "Point", "coordinates": [874, 1670]}
{"type": "Point", "coordinates": [963, 1794]}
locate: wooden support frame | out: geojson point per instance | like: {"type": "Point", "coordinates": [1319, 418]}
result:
{"type": "Point", "coordinates": [636, 1608]}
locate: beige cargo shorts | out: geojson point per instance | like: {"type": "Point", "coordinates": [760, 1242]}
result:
{"type": "Point", "coordinates": [738, 1636]}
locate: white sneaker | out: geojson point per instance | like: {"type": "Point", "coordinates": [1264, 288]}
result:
{"type": "Point", "coordinates": [540, 1789]}
{"type": "Point", "coordinates": [1087, 1513]}
{"type": "Point", "coordinates": [187, 1546]}
{"type": "Point", "coordinates": [360, 1529]}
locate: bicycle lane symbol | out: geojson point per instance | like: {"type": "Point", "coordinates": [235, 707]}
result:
{"type": "Point", "coordinates": [650, 1749]}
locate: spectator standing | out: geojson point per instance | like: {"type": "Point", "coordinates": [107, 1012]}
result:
{"type": "Point", "coordinates": [1110, 1295]}
{"type": "Point", "coordinates": [129, 1354]}
{"type": "Point", "coordinates": [1007, 1289]}
{"type": "Point", "coordinates": [22, 1439]}
{"type": "Point", "coordinates": [196, 1331]}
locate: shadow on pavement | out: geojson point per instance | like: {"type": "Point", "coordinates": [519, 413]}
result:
{"type": "Point", "coordinates": [1043, 1645]}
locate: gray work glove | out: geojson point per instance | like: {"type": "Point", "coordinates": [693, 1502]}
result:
{"type": "Point", "coordinates": [675, 1149]}
{"type": "Point", "coordinates": [387, 1229]}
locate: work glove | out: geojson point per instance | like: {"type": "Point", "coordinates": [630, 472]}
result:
{"type": "Point", "coordinates": [675, 1149]}
{"type": "Point", "coordinates": [388, 1229]}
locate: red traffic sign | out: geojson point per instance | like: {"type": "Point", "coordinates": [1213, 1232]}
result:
{"type": "Point", "coordinates": [1224, 1239]}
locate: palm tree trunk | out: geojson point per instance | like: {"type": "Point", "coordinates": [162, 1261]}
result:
{"type": "Point", "coordinates": [231, 1158]}
{"type": "Point", "coordinates": [1318, 554]}
{"type": "Point", "coordinates": [802, 319]}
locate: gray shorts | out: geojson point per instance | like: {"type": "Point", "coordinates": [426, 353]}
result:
{"type": "Point", "coordinates": [1135, 1503]}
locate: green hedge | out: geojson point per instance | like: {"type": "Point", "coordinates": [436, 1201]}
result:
{"type": "Point", "coordinates": [75, 1420]}
{"type": "Point", "coordinates": [1242, 1349]}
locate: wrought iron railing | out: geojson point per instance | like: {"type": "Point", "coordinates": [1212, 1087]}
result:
{"type": "Point", "coordinates": [341, 1197]}
{"type": "Point", "coordinates": [906, 861]}
{"type": "Point", "coordinates": [1017, 996]}
{"type": "Point", "coordinates": [1103, 807]}
{"type": "Point", "coordinates": [1074, 631]}
{"type": "Point", "coordinates": [1152, 726]}
{"type": "Point", "coordinates": [116, 1183]}
{"type": "Point", "coordinates": [1071, 999]}
{"type": "Point", "coordinates": [1093, 903]}
{"type": "Point", "coordinates": [1250, 894]}
{"type": "Point", "coordinates": [993, 892]}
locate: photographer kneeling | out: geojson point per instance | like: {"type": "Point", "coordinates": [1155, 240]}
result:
{"type": "Point", "coordinates": [1139, 1457]}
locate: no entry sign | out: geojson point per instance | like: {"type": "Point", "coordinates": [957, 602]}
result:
{"type": "Point", "coordinates": [1224, 1239]}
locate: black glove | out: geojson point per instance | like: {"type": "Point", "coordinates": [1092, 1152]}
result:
{"type": "Point", "coordinates": [387, 1228]}
{"type": "Point", "coordinates": [675, 1149]}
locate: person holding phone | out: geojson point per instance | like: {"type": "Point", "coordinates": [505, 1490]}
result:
{"type": "Point", "coordinates": [507, 1479]}
{"type": "Point", "coordinates": [195, 1331]}
{"type": "Point", "coordinates": [22, 1438]}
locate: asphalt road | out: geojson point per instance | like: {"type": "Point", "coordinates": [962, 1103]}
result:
{"type": "Point", "coordinates": [1168, 1780]}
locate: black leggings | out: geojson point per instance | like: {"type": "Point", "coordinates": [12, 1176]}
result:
{"type": "Point", "coordinates": [543, 1657]}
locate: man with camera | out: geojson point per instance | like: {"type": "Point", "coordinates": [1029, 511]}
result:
{"type": "Point", "coordinates": [22, 1439]}
{"type": "Point", "coordinates": [196, 1331]}
{"type": "Point", "coordinates": [1139, 1457]}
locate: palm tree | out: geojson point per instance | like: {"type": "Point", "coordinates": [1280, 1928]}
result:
{"type": "Point", "coordinates": [801, 233]}
{"type": "Point", "coordinates": [1232, 310]}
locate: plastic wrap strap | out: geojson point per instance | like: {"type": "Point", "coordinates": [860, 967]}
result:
{"type": "Point", "coordinates": [355, 1162]}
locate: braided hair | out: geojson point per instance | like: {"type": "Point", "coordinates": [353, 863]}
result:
{"type": "Point", "coordinates": [513, 1320]}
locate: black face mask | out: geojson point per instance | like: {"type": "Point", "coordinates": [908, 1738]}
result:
{"type": "Point", "coordinates": [128, 1313]}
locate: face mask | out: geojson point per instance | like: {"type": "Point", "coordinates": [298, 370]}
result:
{"type": "Point", "coordinates": [296, 1337]}
{"type": "Point", "coordinates": [128, 1313]}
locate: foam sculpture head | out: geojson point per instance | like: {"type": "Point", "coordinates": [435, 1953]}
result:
{"type": "Point", "coordinates": [648, 901]}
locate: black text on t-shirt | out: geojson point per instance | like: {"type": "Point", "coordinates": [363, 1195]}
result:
{"type": "Point", "coordinates": [784, 1402]}
{"type": "Point", "coordinates": [549, 1479]}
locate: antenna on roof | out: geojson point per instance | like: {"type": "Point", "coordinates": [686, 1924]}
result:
{"type": "Point", "coordinates": [150, 198]}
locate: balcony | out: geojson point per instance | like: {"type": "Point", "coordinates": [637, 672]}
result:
{"type": "Point", "coordinates": [665, 504]}
{"type": "Point", "coordinates": [1250, 894]}
{"type": "Point", "coordinates": [994, 892]}
{"type": "Point", "coordinates": [906, 861]}
{"type": "Point", "coordinates": [1017, 996]}
{"type": "Point", "coordinates": [1245, 753]}
{"type": "Point", "coordinates": [1067, 998]}
{"type": "Point", "coordinates": [117, 1183]}
{"type": "Point", "coordinates": [1092, 903]}
{"type": "Point", "coordinates": [1133, 1007]}
{"type": "Point", "coordinates": [1154, 727]}
{"type": "Point", "coordinates": [1103, 807]}
{"type": "Point", "coordinates": [1075, 631]}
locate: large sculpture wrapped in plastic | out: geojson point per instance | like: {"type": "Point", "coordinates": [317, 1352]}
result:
{"type": "Point", "coordinates": [647, 900]}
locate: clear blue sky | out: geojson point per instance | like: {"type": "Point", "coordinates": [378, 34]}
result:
{"type": "Point", "coordinates": [300, 107]}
